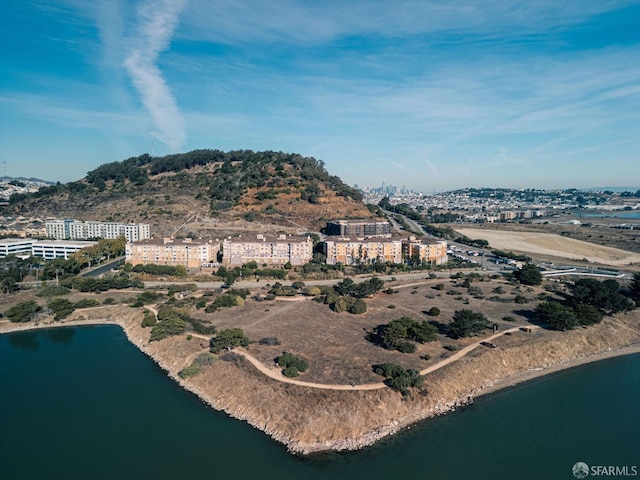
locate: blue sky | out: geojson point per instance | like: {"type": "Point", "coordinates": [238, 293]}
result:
{"type": "Point", "coordinates": [430, 94]}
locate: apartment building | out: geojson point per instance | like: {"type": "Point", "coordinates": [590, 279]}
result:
{"type": "Point", "coordinates": [168, 251]}
{"type": "Point", "coordinates": [69, 229]}
{"type": "Point", "coordinates": [358, 228]}
{"type": "Point", "coordinates": [353, 250]}
{"type": "Point", "coordinates": [426, 250]}
{"type": "Point", "coordinates": [267, 249]}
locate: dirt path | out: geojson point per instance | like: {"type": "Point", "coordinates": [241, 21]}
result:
{"type": "Point", "coordinates": [276, 374]}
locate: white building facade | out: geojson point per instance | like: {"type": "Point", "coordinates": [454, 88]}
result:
{"type": "Point", "coordinates": [69, 229]}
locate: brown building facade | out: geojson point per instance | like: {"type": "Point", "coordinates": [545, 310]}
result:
{"type": "Point", "coordinates": [167, 251]}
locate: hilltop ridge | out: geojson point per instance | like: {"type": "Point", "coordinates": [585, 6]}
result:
{"type": "Point", "coordinates": [276, 188]}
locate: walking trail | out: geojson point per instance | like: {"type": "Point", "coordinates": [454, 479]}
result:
{"type": "Point", "coordinates": [275, 372]}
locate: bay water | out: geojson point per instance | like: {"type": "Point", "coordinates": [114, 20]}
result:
{"type": "Point", "coordinates": [83, 403]}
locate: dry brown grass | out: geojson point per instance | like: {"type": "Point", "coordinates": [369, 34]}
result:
{"type": "Point", "coordinates": [335, 344]}
{"type": "Point", "coordinates": [552, 245]}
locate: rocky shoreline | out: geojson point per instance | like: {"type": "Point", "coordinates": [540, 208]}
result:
{"type": "Point", "coordinates": [349, 420]}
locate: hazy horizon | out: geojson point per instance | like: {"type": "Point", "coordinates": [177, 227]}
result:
{"type": "Point", "coordinates": [446, 94]}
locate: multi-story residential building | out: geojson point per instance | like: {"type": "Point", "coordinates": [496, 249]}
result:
{"type": "Point", "coordinates": [426, 250]}
{"type": "Point", "coordinates": [168, 251]}
{"type": "Point", "coordinates": [267, 249]}
{"type": "Point", "coordinates": [20, 247]}
{"type": "Point", "coordinates": [77, 230]}
{"type": "Point", "coordinates": [353, 250]}
{"type": "Point", "coordinates": [50, 249]}
{"type": "Point", "coordinates": [358, 228]}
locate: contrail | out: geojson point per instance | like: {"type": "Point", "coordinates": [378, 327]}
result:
{"type": "Point", "coordinates": [157, 19]}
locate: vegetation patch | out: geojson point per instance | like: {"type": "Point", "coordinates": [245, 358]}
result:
{"type": "Point", "coordinates": [399, 378]}
{"type": "Point", "coordinates": [292, 364]}
{"type": "Point", "coordinates": [400, 334]}
{"type": "Point", "coordinates": [228, 339]}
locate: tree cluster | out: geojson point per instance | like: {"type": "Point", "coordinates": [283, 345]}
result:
{"type": "Point", "coordinates": [292, 364]}
{"type": "Point", "coordinates": [589, 300]}
{"type": "Point", "coordinates": [529, 274]}
{"type": "Point", "coordinates": [228, 339]}
{"type": "Point", "coordinates": [400, 334]}
{"type": "Point", "coordinates": [22, 312]}
{"type": "Point", "coordinates": [399, 378]}
{"type": "Point", "coordinates": [466, 323]}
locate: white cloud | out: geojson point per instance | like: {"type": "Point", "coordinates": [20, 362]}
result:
{"type": "Point", "coordinates": [157, 21]}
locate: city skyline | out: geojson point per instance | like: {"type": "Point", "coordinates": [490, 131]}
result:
{"type": "Point", "coordinates": [431, 95]}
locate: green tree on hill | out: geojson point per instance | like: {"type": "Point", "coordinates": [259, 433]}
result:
{"type": "Point", "coordinates": [466, 323]}
{"type": "Point", "coordinates": [529, 274]}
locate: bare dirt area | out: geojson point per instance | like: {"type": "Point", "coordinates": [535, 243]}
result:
{"type": "Point", "coordinates": [548, 244]}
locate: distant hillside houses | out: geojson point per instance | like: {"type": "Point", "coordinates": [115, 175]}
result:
{"type": "Point", "coordinates": [70, 229]}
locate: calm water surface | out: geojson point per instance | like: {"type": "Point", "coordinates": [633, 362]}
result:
{"type": "Point", "coordinates": [83, 403]}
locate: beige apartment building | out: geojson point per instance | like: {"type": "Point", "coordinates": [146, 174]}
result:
{"type": "Point", "coordinates": [351, 250]}
{"type": "Point", "coordinates": [267, 249]}
{"type": "Point", "coordinates": [168, 251]}
{"type": "Point", "coordinates": [426, 249]}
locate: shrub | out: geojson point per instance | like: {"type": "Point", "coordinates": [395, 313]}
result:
{"type": "Point", "coordinates": [521, 299]}
{"type": "Point", "coordinates": [52, 291]}
{"type": "Point", "coordinates": [434, 311]}
{"type": "Point", "coordinates": [358, 307]}
{"type": "Point", "coordinates": [204, 360]}
{"type": "Point", "coordinates": [61, 307]}
{"type": "Point", "coordinates": [168, 327]}
{"type": "Point", "coordinates": [508, 318]}
{"type": "Point", "coordinates": [398, 378]}
{"type": "Point", "coordinates": [290, 360]}
{"type": "Point", "coordinates": [87, 303]}
{"type": "Point", "coordinates": [229, 338]}
{"type": "Point", "coordinates": [466, 323]}
{"type": "Point", "coordinates": [269, 341]}
{"type": "Point", "coordinates": [191, 371]}
{"type": "Point", "coordinates": [22, 312]}
{"type": "Point", "coordinates": [149, 319]}
{"type": "Point", "coordinates": [439, 286]}
{"type": "Point", "coordinates": [290, 372]}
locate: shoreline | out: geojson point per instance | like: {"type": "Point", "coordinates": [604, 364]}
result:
{"type": "Point", "coordinates": [243, 411]}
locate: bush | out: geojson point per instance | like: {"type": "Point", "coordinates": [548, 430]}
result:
{"type": "Point", "coordinates": [439, 286]}
{"type": "Point", "coordinates": [466, 323]}
{"type": "Point", "coordinates": [529, 274]}
{"type": "Point", "coordinates": [191, 371]}
{"type": "Point", "coordinates": [556, 315]}
{"type": "Point", "coordinates": [290, 360]}
{"type": "Point", "coordinates": [61, 307]}
{"type": "Point", "coordinates": [269, 341]}
{"type": "Point", "coordinates": [87, 303]}
{"type": "Point", "coordinates": [168, 327]}
{"type": "Point", "coordinates": [398, 334]}
{"type": "Point", "coordinates": [290, 372]}
{"type": "Point", "coordinates": [227, 339]}
{"type": "Point", "coordinates": [508, 318]}
{"type": "Point", "coordinates": [204, 360]}
{"type": "Point", "coordinates": [358, 307]}
{"type": "Point", "coordinates": [521, 299]}
{"type": "Point", "coordinates": [22, 312]}
{"type": "Point", "coordinates": [434, 312]}
{"type": "Point", "coordinates": [52, 291]}
{"type": "Point", "coordinates": [149, 319]}
{"type": "Point", "coordinates": [398, 378]}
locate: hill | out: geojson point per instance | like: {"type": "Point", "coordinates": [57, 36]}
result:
{"type": "Point", "coordinates": [230, 191]}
